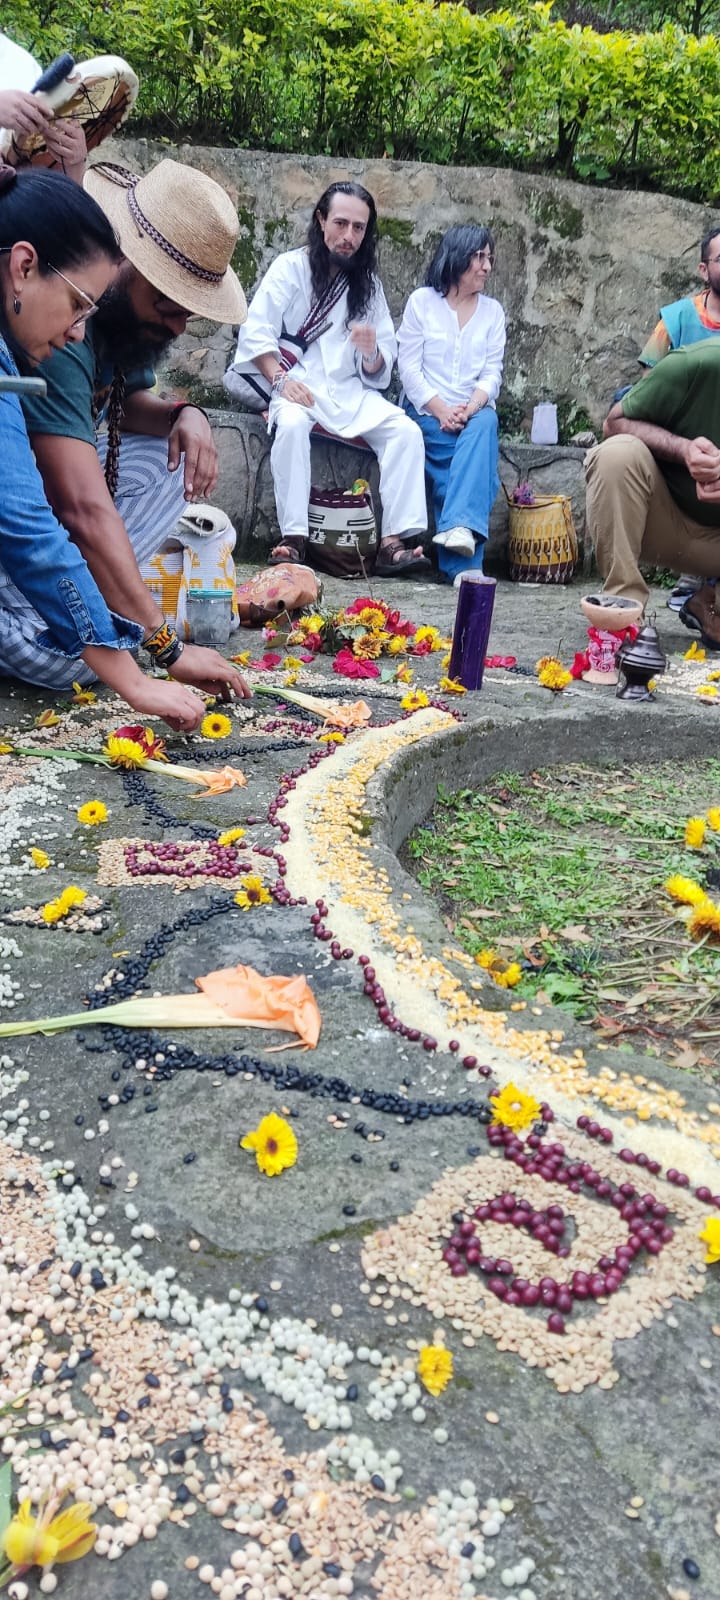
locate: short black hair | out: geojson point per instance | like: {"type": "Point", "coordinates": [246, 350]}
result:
{"type": "Point", "coordinates": [63, 224]}
{"type": "Point", "coordinates": [454, 254]}
{"type": "Point", "coordinates": [707, 240]}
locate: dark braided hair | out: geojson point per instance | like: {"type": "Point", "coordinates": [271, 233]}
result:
{"type": "Point", "coordinates": [361, 268]}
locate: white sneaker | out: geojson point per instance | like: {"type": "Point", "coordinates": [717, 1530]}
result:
{"type": "Point", "coordinates": [470, 572]}
{"type": "Point", "coordinates": [459, 538]}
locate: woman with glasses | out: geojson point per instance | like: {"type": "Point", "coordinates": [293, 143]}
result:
{"type": "Point", "coordinates": [451, 344]}
{"type": "Point", "coordinates": [58, 254]}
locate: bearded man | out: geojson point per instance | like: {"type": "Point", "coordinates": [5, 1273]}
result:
{"type": "Point", "coordinates": [120, 494]}
{"type": "Point", "coordinates": [317, 348]}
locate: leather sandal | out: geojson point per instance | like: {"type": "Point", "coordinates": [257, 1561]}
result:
{"type": "Point", "coordinates": [295, 556]}
{"type": "Point", "coordinates": [399, 562]}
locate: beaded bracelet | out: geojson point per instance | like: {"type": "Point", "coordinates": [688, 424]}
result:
{"type": "Point", "coordinates": [278, 380]}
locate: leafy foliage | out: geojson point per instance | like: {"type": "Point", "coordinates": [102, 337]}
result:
{"type": "Point", "coordinates": [411, 80]}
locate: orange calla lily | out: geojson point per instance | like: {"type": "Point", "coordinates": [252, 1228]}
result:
{"type": "Point", "coordinates": [275, 1002]}
{"type": "Point", "coordinates": [219, 781]}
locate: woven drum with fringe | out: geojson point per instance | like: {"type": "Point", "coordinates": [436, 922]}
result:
{"type": "Point", "coordinates": [542, 547]}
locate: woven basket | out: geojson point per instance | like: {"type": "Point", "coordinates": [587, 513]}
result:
{"type": "Point", "coordinates": [542, 546]}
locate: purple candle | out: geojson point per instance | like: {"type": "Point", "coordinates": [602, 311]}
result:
{"type": "Point", "coordinates": [472, 629]}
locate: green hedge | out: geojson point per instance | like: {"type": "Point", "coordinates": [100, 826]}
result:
{"type": "Point", "coordinates": [409, 79]}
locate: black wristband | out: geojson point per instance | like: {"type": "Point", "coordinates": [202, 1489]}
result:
{"type": "Point", "coordinates": [183, 405]}
{"type": "Point", "coordinates": [172, 653]}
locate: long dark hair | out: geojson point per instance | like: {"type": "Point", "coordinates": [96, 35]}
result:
{"type": "Point", "coordinates": [62, 223]}
{"type": "Point", "coordinates": [361, 270]}
{"type": "Point", "coordinates": [454, 254]}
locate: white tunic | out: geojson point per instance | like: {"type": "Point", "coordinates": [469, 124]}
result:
{"type": "Point", "coordinates": [18, 70]}
{"type": "Point", "coordinates": [437, 356]}
{"type": "Point", "coordinates": [347, 401]}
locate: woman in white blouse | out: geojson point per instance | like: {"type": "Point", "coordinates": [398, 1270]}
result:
{"type": "Point", "coordinates": [450, 355]}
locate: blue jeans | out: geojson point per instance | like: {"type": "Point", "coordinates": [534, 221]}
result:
{"type": "Point", "coordinates": [462, 471]}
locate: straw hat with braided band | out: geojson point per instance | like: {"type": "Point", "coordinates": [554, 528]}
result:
{"type": "Point", "coordinates": [178, 228]}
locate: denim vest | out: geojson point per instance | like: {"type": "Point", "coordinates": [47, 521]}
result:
{"type": "Point", "coordinates": [38, 560]}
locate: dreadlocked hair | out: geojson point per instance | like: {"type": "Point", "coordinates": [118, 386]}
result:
{"type": "Point", "coordinates": [361, 269]}
{"type": "Point", "coordinates": [114, 415]}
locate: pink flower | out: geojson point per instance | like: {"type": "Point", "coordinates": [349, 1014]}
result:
{"type": "Point", "coordinates": [501, 661]}
{"type": "Point", "coordinates": [314, 642]}
{"type": "Point", "coordinates": [266, 663]}
{"type": "Point", "coordinates": [349, 666]}
{"type": "Point", "coordinates": [422, 649]}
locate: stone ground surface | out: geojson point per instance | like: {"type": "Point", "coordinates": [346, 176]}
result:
{"type": "Point", "coordinates": [570, 1461]}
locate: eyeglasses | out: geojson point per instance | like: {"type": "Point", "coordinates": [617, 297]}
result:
{"type": "Point", "coordinates": [91, 306]}
{"type": "Point", "coordinates": [485, 257]}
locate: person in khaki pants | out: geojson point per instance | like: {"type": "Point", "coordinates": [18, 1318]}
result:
{"type": "Point", "coordinates": [653, 485]}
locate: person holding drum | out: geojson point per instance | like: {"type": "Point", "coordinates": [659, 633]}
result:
{"type": "Point", "coordinates": [58, 254]}
{"type": "Point", "coordinates": [29, 118]}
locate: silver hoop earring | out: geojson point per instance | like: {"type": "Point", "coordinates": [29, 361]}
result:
{"type": "Point", "coordinates": [17, 307]}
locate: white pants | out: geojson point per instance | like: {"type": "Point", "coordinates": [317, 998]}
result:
{"type": "Point", "coordinates": [398, 445]}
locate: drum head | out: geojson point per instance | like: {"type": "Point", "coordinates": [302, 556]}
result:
{"type": "Point", "coordinates": [99, 93]}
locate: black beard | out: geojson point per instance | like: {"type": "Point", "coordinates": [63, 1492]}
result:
{"type": "Point", "coordinates": [125, 339]}
{"type": "Point", "coordinates": [345, 263]}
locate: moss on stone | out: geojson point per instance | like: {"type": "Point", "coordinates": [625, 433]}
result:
{"type": "Point", "coordinates": [572, 418]}
{"type": "Point", "coordinates": [245, 257]}
{"type": "Point", "coordinates": [275, 225]}
{"type": "Point", "coordinates": [396, 230]}
{"type": "Point", "coordinates": [554, 211]}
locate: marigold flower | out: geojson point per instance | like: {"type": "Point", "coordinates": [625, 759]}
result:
{"type": "Point", "coordinates": [42, 1541]}
{"type": "Point", "coordinates": [372, 618]}
{"type": "Point", "coordinates": [215, 726]}
{"type": "Point", "coordinates": [515, 1109]}
{"type": "Point", "coordinates": [39, 858]}
{"type": "Point", "coordinates": [554, 676]}
{"type": "Point", "coordinates": [124, 752]}
{"type": "Point", "coordinates": [685, 890]}
{"type": "Point", "coordinates": [92, 813]}
{"type": "Point", "coordinates": [231, 835]}
{"type": "Point", "coordinates": [274, 1143]}
{"type": "Point", "coordinates": [711, 1237]}
{"type": "Point", "coordinates": [83, 697]}
{"type": "Point", "coordinates": [695, 833]}
{"type": "Point", "coordinates": [415, 700]}
{"type": "Point", "coordinates": [252, 893]}
{"type": "Point", "coordinates": [713, 818]}
{"type": "Point", "coordinates": [435, 1367]}
{"type": "Point", "coordinates": [367, 647]}
{"type": "Point", "coordinates": [705, 919]}
{"type": "Point", "coordinates": [451, 686]}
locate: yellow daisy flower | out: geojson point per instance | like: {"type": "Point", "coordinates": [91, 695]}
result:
{"type": "Point", "coordinates": [92, 813]}
{"type": "Point", "coordinates": [42, 1541]}
{"type": "Point", "coordinates": [396, 645]}
{"type": "Point", "coordinates": [435, 1368]}
{"type": "Point", "coordinates": [713, 818]}
{"type": "Point", "coordinates": [231, 835]}
{"type": "Point", "coordinates": [685, 890]}
{"type": "Point", "coordinates": [215, 726]}
{"type": "Point", "coordinates": [514, 1109]}
{"type": "Point", "coordinates": [451, 686]}
{"type": "Point", "coordinates": [711, 1237]}
{"type": "Point", "coordinates": [313, 624]}
{"type": "Point", "coordinates": [274, 1143]}
{"type": "Point", "coordinates": [39, 858]}
{"type": "Point", "coordinates": [252, 893]}
{"type": "Point", "coordinates": [433, 634]}
{"type": "Point", "coordinates": [415, 700]}
{"type": "Point", "coordinates": [695, 833]}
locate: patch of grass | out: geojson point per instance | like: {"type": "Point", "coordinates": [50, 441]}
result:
{"type": "Point", "coordinates": [563, 870]}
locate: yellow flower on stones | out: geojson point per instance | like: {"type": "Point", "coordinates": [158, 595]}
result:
{"type": "Point", "coordinates": [313, 624]}
{"type": "Point", "coordinates": [290, 680]}
{"type": "Point", "coordinates": [92, 813]}
{"type": "Point", "coordinates": [65, 902]}
{"type": "Point", "coordinates": [685, 890]}
{"type": "Point", "coordinates": [711, 1237]}
{"type": "Point", "coordinates": [83, 697]}
{"type": "Point", "coordinates": [508, 978]}
{"type": "Point", "coordinates": [415, 700]}
{"type": "Point", "coordinates": [252, 893]}
{"type": "Point", "coordinates": [231, 835]}
{"type": "Point", "coordinates": [242, 659]}
{"type": "Point", "coordinates": [39, 858]}
{"type": "Point", "coordinates": [713, 819]}
{"type": "Point", "coordinates": [47, 719]}
{"type": "Point", "coordinates": [553, 675]}
{"type": "Point", "coordinates": [42, 1541]}
{"type": "Point", "coordinates": [404, 674]}
{"type": "Point", "coordinates": [706, 691]}
{"type": "Point", "coordinates": [397, 645]}
{"type": "Point", "coordinates": [695, 653]}
{"type": "Point", "coordinates": [451, 686]}
{"type": "Point", "coordinates": [52, 912]}
{"type": "Point", "coordinates": [215, 726]}
{"type": "Point", "coordinates": [330, 738]}
{"type": "Point", "coordinates": [435, 1367]}
{"type": "Point", "coordinates": [124, 752]}
{"type": "Point", "coordinates": [292, 664]}
{"type": "Point", "coordinates": [274, 1144]}
{"type": "Point", "coordinates": [486, 959]}
{"type": "Point", "coordinates": [514, 1109]}
{"type": "Point", "coordinates": [371, 618]}
{"type": "Point", "coordinates": [695, 833]}
{"type": "Point", "coordinates": [705, 919]}
{"type": "Point", "coordinates": [5, 749]}
{"type": "Point", "coordinates": [433, 635]}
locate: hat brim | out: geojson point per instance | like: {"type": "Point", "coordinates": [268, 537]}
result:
{"type": "Point", "coordinates": [219, 302]}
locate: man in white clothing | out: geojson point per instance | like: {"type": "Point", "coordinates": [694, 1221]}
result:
{"type": "Point", "coordinates": [317, 347]}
